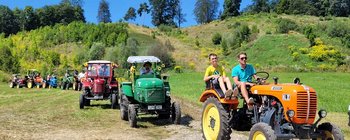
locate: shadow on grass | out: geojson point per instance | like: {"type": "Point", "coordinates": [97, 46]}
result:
{"type": "Point", "coordinates": [153, 119]}
{"type": "Point", "coordinates": [103, 106]}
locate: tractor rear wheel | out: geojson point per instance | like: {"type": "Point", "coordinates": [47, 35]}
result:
{"type": "Point", "coordinates": [81, 101]}
{"type": "Point", "coordinates": [123, 107]}
{"type": "Point", "coordinates": [215, 120]}
{"type": "Point", "coordinates": [262, 131]}
{"type": "Point", "coordinates": [176, 113]}
{"type": "Point", "coordinates": [114, 101]}
{"type": "Point", "coordinates": [330, 131]}
{"type": "Point", "coordinates": [132, 115]}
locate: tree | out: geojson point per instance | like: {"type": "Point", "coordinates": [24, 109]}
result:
{"type": "Point", "coordinates": [231, 8]}
{"type": "Point", "coordinates": [8, 62]}
{"type": "Point", "coordinates": [74, 3]}
{"type": "Point", "coordinates": [130, 14]}
{"type": "Point", "coordinates": [179, 16]}
{"type": "Point", "coordinates": [164, 11]}
{"type": "Point", "coordinates": [103, 12]}
{"type": "Point", "coordinates": [97, 51]}
{"type": "Point", "coordinates": [144, 8]}
{"type": "Point", "coordinates": [205, 10]}
{"type": "Point", "coordinates": [260, 6]}
{"type": "Point", "coordinates": [8, 22]}
{"type": "Point", "coordinates": [339, 8]}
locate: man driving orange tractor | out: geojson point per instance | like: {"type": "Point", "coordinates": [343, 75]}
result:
{"type": "Point", "coordinates": [241, 75]}
{"type": "Point", "coordinates": [218, 75]}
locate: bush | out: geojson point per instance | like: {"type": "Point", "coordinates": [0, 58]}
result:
{"type": "Point", "coordinates": [162, 51]}
{"type": "Point", "coordinates": [178, 69]}
{"type": "Point", "coordinates": [216, 39]}
{"type": "Point", "coordinates": [285, 25]}
{"type": "Point", "coordinates": [165, 28]}
{"type": "Point", "coordinates": [309, 33]}
{"type": "Point", "coordinates": [255, 29]}
{"type": "Point", "coordinates": [323, 53]}
{"type": "Point", "coordinates": [338, 29]}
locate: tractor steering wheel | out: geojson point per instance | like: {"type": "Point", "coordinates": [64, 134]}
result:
{"type": "Point", "coordinates": [262, 76]}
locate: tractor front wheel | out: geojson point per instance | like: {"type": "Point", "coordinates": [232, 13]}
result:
{"type": "Point", "coordinates": [330, 131]}
{"type": "Point", "coordinates": [123, 107]}
{"type": "Point", "coordinates": [12, 85]}
{"type": "Point", "coordinates": [132, 115]}
{"type": "Point", "coordinates": [114, 101]}
{"type": "Point", "coordinates": [215, 120]}
{"type": "Point", "coordinates": [30, 85]}
{"type": "Point", "coordinates": [262, 131]}
{"type": "Point", "coordinates": [176, 113]}
{"type": "Point", "coordinates": [81, 101]}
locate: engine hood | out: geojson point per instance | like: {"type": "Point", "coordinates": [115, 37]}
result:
{"type": "Point", "coordinates": [149, 83]}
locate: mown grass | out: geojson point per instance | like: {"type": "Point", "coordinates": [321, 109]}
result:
{"type": "Point", "coordinates": [332, 90]}
{"type": "Point", "coordinates": [36, 113]}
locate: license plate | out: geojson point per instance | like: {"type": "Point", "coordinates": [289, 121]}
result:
{"type": "Point", "coordinates": [154, 107]}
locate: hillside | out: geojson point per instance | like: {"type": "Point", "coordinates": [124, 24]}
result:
{"type": "Point", "coordinates": [273, 43]}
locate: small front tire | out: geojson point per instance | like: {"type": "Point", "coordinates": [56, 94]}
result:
{"type": "Point", "coordinates": [81, 101]}
{"type": "Point", "coordinates": [262, 131]}
{"type": "Point", "coordinates": [176, 113]}
{"type": "Point", "coordinates": [132, 115]}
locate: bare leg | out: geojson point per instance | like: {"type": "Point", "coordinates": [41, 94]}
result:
{"type": "Point", "coordinates": [228, 83]}
{"type": "Point", "coordinates": [222, 84]}
{"type": "Point", "coordinates": [244, 91]}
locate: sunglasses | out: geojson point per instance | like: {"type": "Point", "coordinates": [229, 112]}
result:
{"type": "Point", "coordinates": [243, 58]}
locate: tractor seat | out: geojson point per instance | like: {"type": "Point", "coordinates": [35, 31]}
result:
{"type": "Point", "coordinates": [209, 85]}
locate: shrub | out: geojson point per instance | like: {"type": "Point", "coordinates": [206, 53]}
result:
{"type": "Point", "coordinates": [303, 50]}
{"type": "Point", "coordinates": [338, 29]}
{"type": "Point", "coordinates": [285, 25]}
{"type": "Point", "coordinates": [216, 39]}
{"type": "Point", "coordinates": [163, 53]}
{"type": "Point", "coordinates": [323, 53]}
{"type": "Point", "coordinates": [309, 33]}
{"type": "Point", "coordinates": [178, 69]}
{"type": "Point", "coordinates": [255, 29]}
{"type": "Point", "coordinates": [295, 56]}
{"type": "Point", "coordinates": [165, 28]}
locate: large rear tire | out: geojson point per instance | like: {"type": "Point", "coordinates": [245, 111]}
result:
{"type": "Point", "coordinates": [176, 113]}
{"type": "Point", "coordinates": [262, 131]}
{"type": "Point", "coordinates": [132, 115]}
{"type": "Point", "coordinates": [330, 131]}
{"type": "Point", "coordinates": [114, 101]}
{"type": "Point", "coordinates": [81, 101]}
{"type": "Point", "coordinates": [215, 120]}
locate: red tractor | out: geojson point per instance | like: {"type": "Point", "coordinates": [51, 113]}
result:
{"type": "Point", "coordinates": [100, 83]}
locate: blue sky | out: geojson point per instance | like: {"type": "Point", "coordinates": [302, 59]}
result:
{"type": "Point", "coordinates": [117, 9]}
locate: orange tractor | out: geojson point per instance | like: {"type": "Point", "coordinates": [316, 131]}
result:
{"type": "Point", "coordinates": [281, 111]}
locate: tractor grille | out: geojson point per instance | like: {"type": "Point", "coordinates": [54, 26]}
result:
{"type": "Point", "coordinates": [306, 105]}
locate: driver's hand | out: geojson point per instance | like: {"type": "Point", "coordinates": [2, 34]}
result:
{"type": "Point", "coordinates": [215, 76]}
{"type": "Point", "coordinates": [251, 84]}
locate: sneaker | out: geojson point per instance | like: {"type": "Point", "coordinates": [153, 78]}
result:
{"type": "Point", "coordinates": [250, 104]}
{"type": "Point", "coordinates": [228, 93]}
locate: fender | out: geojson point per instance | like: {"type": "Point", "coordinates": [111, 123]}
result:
{"type": "Point", "coordinates": [208, 93]}
{"type": "Point", "coordinates": [268, 115]}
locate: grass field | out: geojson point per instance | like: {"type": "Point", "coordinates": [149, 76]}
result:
{"type": "Point", "coordinates": [55, 114]}
{"type": "Point", "coordinates": [332, 89]}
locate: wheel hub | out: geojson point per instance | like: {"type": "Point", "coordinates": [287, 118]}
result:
{"type": "Point", "coordinates": [212, 123]}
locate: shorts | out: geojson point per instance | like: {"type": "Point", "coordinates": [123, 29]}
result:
{"type": "Point", "coordinates": [215, 81]}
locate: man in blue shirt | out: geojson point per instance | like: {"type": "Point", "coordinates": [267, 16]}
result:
{"type": "Point", "coordinates": [240, 75]}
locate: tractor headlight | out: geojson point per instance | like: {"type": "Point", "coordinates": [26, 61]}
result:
{"type": "Point", "coordinates": [290, 113]}
{"type": "Point", "coordinates": [167, 93]}
{"type": "Point", "coordinates": [322, 113]}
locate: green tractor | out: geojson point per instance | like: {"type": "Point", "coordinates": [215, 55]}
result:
{"type": "Point", "coordinates": [147, 93]}
{"type": "Point", "coordinates": [69, 80]}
